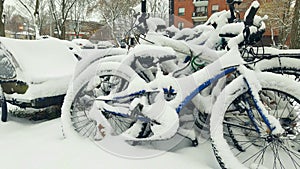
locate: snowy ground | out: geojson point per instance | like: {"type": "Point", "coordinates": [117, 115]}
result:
{"type": "Point", "coordinates": [41, 145]}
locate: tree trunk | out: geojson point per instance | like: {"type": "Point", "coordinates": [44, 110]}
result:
{"type": "Point", "coordinates": [63, 31]}
{"type": "Point", "coordinates": [295, 33]}
{"type": "Point", "coordinates": [112, 28]}
{"type": "Point", "coordinates": [2, 27]}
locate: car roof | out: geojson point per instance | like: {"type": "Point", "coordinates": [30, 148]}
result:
{"type": "Point", "coordinates": [40, 60]}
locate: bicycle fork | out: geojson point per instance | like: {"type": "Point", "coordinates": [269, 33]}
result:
{"type": "Point", "coordinates": [272, 124]}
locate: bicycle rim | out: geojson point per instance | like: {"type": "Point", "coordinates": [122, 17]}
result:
{"type": "Point", "coordinates": [87, 118]}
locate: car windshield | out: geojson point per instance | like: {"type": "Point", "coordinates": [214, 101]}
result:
{"type": "Point", "coordinates": [7, 70]}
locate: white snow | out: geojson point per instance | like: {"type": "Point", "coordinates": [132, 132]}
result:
{"type": "Point", "coordinates": [42, 64]}
{"type": "Point", "coordinates": [172, 29]}
{"type": "Point", "coordinates": [41, 60]}
{"type": "Point", "coordinates": [41, 145]}
{"type": "Point", "coordinates": [150, 51]}
{"type": "Point", "coordinates": [179, 46]}
{"type": "Point", "coordinates": [92, 55]}
{"type": "Point", "coordinates": [185, 33]}
{"type": "Point", "coordinates": [233, 28]}
{"type": "Point", "coordinates": [153, 22]}
{"type": "Point", "coordinates": [276, 62]}
{"type": "Point", "coordinates": [49, 63]}
{"type": "Point", "coordinates": [83, 42]}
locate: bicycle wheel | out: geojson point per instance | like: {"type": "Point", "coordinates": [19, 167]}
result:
{"type": "Point", "coordinates": [283, 65]}
{"type": "Point", "coordinates": [83, 114]}
{"type": "Point", "coordinates": [235, 137]}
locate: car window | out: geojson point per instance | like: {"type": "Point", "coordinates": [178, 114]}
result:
{"type": "Point", "coordinates": [7, 69]}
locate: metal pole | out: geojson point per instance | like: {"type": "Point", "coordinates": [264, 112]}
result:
{"type": "Point", "coordinates": [143, 10]}
{"type": "Point", "coordinates": [3, 106]}
{"type": "Point", "coordinates": [171, 12]}
{"type": "Point", "coordinates": [143, 17]}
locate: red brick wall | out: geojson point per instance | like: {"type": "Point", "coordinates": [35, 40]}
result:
{"type": "Point", "coordinates": [189, 9]}
{"type": "Point", "coordinates": [222, 6]}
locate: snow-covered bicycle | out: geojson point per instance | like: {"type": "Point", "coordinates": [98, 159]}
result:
{"type": "Point", "coordinates": [216, 32]}
{"type": "Point", "coordinates": [111, 98]}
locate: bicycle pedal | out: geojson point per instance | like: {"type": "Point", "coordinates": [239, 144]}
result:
{"type": "Point", "coordinates": [195, 142]}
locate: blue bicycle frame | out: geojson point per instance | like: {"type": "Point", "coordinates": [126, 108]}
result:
{"type": "Point", "coordinates": [196, 91]}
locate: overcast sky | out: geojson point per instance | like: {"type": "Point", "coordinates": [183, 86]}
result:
{"type": "Point", "coordinates": [10, 2]}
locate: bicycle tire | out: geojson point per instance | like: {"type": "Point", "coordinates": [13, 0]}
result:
{"type": "Point", "coordinates": [287, 71]}
{"type": "Point", "coordinates": [283, 65]}
{"type": "Point", "coordinates": [75, 113]}
{"type": "Point", "coordinates": [226, 151]}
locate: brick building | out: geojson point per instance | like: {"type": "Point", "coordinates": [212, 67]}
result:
{"type": "Point", "coordinates": [183, 12]}
{"type": "Point", "coordinates": [190, 13]}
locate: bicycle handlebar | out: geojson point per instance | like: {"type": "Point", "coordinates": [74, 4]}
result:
{"type": "Point", "coordinates": [250, 13]}
{"type": "Point", "coordinates": [231, 4]}
{"type": "Point", "coordinates": [253, 28]}
{"type": "Point", "coordinates": [234, 1]}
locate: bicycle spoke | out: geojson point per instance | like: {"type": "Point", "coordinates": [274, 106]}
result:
{"type": "Point", "coordinates": [83, 121]}
{"type": "Point", "coordinates": [261, 160]}
{"type": "Point", "coordinates": [258, 152]}
{"type": "Point", "coordinates": [295, 163]}
{"type": "Point", "coordinates": [254, 148]}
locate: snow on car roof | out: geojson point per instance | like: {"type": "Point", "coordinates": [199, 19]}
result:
{"type": "Point", "coordinates": [105, 43]}
{"type": "Point", "coordinates": [41, 60]}
{"type": "Point", "coordinates": [82, 41]}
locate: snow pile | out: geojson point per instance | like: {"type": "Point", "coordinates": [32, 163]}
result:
{"type": "Point", "coordinates": [185, 33]}
{"type": "Point", "coordinates": [41, 145]}
{"type": "Point", "coordinates": [171, 31]}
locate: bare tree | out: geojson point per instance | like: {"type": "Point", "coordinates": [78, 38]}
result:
{"type": "Point", "coordinates": [9, 11]}
{"type": "Point", "coordinates": [280, 14]}
{"type": "Point", "coordinates": [158, 8]}
{"type": "Point", "coordinates": [35, 11]}
{"type": "Point", "coordinates": [14, 22]}
{"type": "Point", "coordinates": [295, 33]}
{"type": "Point", "coordinates": [43, 15]}
{"type": "Point", "coordinates": [60, 10]}
{"type": "Point", "coordinates": [32, 8]}
{"type": "Point", "coordinates": [113, 11]}
{"type": "Point", "coordinates": [2, 26]}
{"type": "Point", "coordinates": [79, 14]}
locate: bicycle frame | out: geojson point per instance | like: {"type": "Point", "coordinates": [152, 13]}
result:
{"type": "Point", "coordinates": [187, 90]}
{"type": "Point", "coordinates": [190, 86]}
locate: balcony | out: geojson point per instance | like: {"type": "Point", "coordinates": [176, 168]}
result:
{"type": "Point", "coordinates": [199, 16]}
{"type": "Point", "coordinates": [199, 3]}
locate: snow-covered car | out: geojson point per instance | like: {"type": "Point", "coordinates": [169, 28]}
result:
{"type": "Point", "coordinates": [76, 50]}
{"type": "Point", "coordinates": [84, 43]}
{"type": "Point", "coordinates": [104, 44]}
{"type": "Point", "coordinates": [35, 73]}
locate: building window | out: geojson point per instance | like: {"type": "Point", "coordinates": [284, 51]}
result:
{"type": "Point", "coordinates": [181, 11]}
{"type": "Point", "coordinates": [180, 25]}
{"type": "Point", "coordinates": [200, 11]}
{"type": "Point", "coordinates": [215, 8]}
